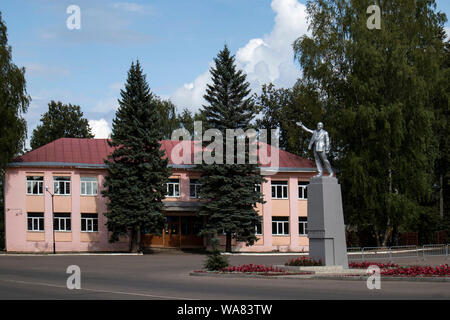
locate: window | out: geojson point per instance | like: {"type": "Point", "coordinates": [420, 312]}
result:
{"type": "Point", "coordinates": [258, 188]}
{"type": "Point", "coordinates": [280, 226]}
{"type": "Point", "coordinates": [35, 185]}
{"type": "Point", "coordinates": [89, 222]}
{"type": "Point", "coordinates": [302, 226]}
{"type": "Point", "coordinates": [258, 228]}
{"type": "Point", "coordinates": [173, 188]}
{"type": "Point", "coordinates": [61, 185]}
{"type": "Point", "coordinates": [191, 226]}
{"type": "Point", "coordinates": [35, 222]}
{"type": "Point", "coordinates": [194, 187]}
{"type": "Point", "coordinates": [61, 222]}
{"type": "Point", "coordinates": [279, 190]}
{"type": "Point", "coordinates": [89, 186]}
{"type": "Point", "coordinates": [302, 190]}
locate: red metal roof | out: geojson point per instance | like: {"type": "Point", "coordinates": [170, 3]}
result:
{"type": "Point", "coordinates": [94, 151]}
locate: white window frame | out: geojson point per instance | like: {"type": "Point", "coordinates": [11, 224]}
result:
{"type": "Point", "coordinates": [57, 183]}
{"type": "Point", "coordinates": [39, 183]}
{"type": "Point", "coordinates": [193, 183]}
{"type": "Point", "coordinates": [62, 222]}
{"type": "Point", "coordinates": [39, 221]}
{"type": "Point", "coordinates": [302, 190]}
{"type": "Point", "coordinates": [305, 226]}
{"type": "Point", "coordinates": [89, 181]}
{"type": "Point", "coordinates": [89, 223]}
{"type": "Point", "coordinates": [279, 187]}
{"type": "Point", "coordinates": [175, 185]}
{"type": "Point", "coordinates": [282, 225]}
{"type": "Point", "coordinates": [258, 187]}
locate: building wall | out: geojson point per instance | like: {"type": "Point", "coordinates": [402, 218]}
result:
{"type": "Point", "coordinates": [291, 207]}
{"type": "Point", "coordinates": [18, 204]}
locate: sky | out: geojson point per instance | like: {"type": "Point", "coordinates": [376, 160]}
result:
{"type": "Point", "coordinates": [174, 40]}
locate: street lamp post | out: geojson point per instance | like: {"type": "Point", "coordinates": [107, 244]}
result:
{"type": "Point", "coordinates": [53, 220]}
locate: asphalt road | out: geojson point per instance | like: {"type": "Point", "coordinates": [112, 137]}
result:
{"type": "Point", "coordinates": [165, 276]}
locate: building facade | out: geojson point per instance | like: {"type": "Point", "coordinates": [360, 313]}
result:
{"type": "Point", "coordinates": [53, 201]}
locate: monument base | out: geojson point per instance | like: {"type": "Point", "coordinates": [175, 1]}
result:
{"type": "Point", "coordinates": [326, 230]}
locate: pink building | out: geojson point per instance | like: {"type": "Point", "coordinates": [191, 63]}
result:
{"type": "Point", "coordinates": [73, 170]}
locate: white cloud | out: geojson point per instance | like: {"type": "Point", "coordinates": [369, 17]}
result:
{"type": "Point", "coordinates": [37, 69]}
{"type": "Point", "coordinates": [100, 128]}
{"type": "Point", "coordinates": [447, 31]}
{"type": "Point", "coordinates": [132, 7]}
{"type": "Point", "coordinates": [106, 105]}
{"type": "Point", "coordinates": [266, 59]}
{"type": "Point", "coordinates": [191, 94]}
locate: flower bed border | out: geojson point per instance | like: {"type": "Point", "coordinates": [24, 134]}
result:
{"type": "Point", "coordinates": [316, 277]}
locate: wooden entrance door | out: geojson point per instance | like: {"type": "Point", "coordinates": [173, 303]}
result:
{"type": "Point", "coordinates": [172, 232]}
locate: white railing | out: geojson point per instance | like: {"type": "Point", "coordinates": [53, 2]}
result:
{"type": "Point", "coordinates": [395, 252]}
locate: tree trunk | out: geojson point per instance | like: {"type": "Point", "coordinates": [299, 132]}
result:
{"type": "Point", "coordinates": [228, 242]}
{"type": "Point", "coordinates": [387, 235]}
{"type": "Point", "coordinates": [441, 197]}
{"type": "Point", "coordinates": [377, 237]}
{"type": "Point", "coordinates": [135, 240]}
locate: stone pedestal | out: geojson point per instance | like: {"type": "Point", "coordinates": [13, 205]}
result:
{"type": "Point", "coordinates": [326, 230]}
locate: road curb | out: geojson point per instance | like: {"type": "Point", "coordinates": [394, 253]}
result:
{"type": "Point", "coordinates": [318, 277]}
{"type": "Point", "coordinates": [256, 276]}
{"type": "Point", "coordinates": [383, 278]}
{"type": "Point", "coordinates": [68, 254]}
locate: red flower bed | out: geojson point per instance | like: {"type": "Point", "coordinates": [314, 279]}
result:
{"type": "Point", "coordinates": [260, 269]}
{"type": "Point", "coordinates": [418, 271]}
{"type": "Point", "coordinates": [365, 265]}
{"type": "Point", "coordinates": [252, 268]}
{"type": "Point", "coordinates": [303, 262]}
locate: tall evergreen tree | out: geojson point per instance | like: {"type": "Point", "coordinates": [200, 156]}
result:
{"type": "Point", "coordinates": [137, 172]}
{"type": "Point", "coordinates": [376, 90]}
{"type": "Point", "coordinates": [60, 121]}
{"type": "Point", "coordinates": [229, 188]}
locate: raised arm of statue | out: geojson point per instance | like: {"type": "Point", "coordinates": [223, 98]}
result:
{"type": "Point", "coordinates": [300, 124]}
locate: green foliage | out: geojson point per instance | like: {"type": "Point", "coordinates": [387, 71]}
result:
{"type": "Point", "coordinates": [215, 261]}
{"type": "Point", "coordinates": [229, 104]}
{"type": "Point", "coordinates": [14, 102]}
{"type": "Point", "coordinates": [137, 172]}
{"type": "Point", "coordinates": [230, 188]}
{"type": "Point", "coordinates": [168, 118]}
{"type": "Point", "coordinates": [280, 107]}
{"type": "Point", "coordinates": [378, 91]}
{"type": "Point", "coordinates": [60, 121]}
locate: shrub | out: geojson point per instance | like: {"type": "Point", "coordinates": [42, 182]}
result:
{"type": "Point", "coordinates": [215, 261]}
{"type": "Point", "coordinates": [303, 262]}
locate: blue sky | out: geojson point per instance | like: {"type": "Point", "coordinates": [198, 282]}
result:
{"type": "Point", "coordinates": [175, 41]}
